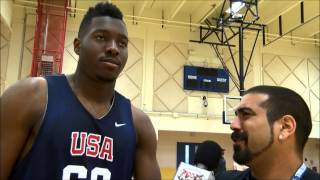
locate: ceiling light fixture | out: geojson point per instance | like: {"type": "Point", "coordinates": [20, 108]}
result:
{"type": "Point", "coordinates": [235, 6]}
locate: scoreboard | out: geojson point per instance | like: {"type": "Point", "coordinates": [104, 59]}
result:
{"type": "Point", "coordinates": [205, 79]}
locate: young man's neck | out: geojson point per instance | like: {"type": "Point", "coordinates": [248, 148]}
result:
{"type": "Point", "coordinates": [91, 89]}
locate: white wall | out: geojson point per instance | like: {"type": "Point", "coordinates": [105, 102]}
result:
{"type": "Point", "coordinates": [14, 55]}
{"type": "Point", "coordinates": [5, 46]}
{"type": "Point", "coordinates": [6, 18]}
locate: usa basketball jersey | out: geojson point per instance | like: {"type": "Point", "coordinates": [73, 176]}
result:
{"type": "Point", "coordinates": [72, 144]}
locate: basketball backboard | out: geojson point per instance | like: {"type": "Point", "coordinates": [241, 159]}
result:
{"type": "Point", "coordinates": [229, 103]}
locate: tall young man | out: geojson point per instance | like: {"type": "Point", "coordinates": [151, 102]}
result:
{"type": "Point", "coordinates": [78, 126]}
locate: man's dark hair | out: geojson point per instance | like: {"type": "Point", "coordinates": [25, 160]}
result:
{"type": "Point", "coordinates": [208, 153]}
{"type": "Point", "coordinates": [101, 9]}
{"type": "Point", "coordinates": [283, 101]}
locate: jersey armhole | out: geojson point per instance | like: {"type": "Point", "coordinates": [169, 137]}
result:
{"type": "Point", "coordinates": [35, 128]}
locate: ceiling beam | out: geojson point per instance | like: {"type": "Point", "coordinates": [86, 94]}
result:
{"type": "Point", "coordinates": [283, 12]}
{"type": "Point", "coordinates": [314, 33]}
{"type": "Point", "coordinates": [152, 3]}
{"type": "Point", "coordinates": [211, 10]}
{"type": "Point", "coordinates": [176, 9]}
{"type": "Point", "coordinates": [142, 8]}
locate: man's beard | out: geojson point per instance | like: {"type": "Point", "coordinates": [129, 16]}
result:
{"type": "Point", "coordinates": [244, 156]}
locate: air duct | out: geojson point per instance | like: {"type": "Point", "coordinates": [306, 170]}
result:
{"type": "Point", "coordinates": [49, 37]}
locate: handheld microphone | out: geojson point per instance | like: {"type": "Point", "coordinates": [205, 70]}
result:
{"type": "Point", "coordinates": [186, 171]}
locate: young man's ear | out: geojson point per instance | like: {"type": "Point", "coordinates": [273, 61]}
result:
{"type": "Point", "coordinates": [288, 127]}
{"type": "Point", "coordinates": [76, 45]}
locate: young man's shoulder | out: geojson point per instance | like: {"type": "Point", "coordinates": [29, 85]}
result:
{"type": "Point", "coordinates": [24, 102]}
{"type": "Point", "coordinates": [139, 116]}
{"type": "Point", "coordinates": [29, 89]}
{"type": "Point", "coordinates": [29, 83]}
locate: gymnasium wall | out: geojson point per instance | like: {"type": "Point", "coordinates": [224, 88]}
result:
{"type": "Point", "coordinates": [4, 50]}
{"type": "Point", "coordinates": [6, 12]}
{"type": "Point", "coordinates": [5, 21]}
{"type": "Point", "coordinates": [21, 45]}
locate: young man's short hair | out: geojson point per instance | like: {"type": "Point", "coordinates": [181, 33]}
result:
{"type": "Point", "coordinates": [101, 9]}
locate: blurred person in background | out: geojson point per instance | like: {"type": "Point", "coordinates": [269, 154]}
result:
{"type": "Point", "coordinates": [208, 156]}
